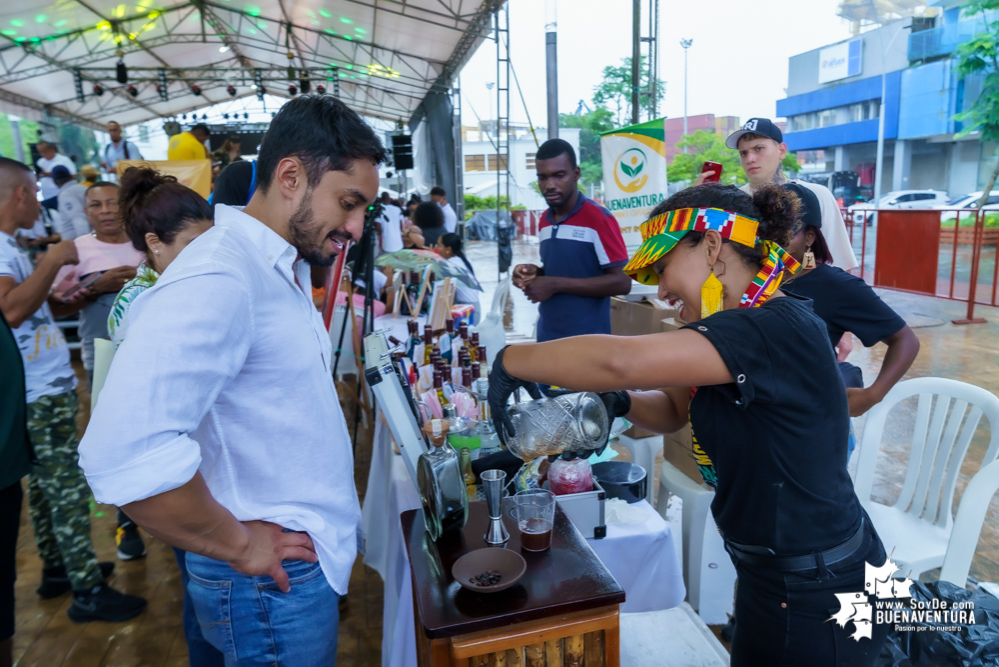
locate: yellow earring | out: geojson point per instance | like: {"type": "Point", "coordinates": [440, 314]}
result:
{"type": "Point", "coordinates": [711, 295]}
{"type": "Point", "coordinates": [808, 261]}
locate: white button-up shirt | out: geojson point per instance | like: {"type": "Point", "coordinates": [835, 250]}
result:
{"type": "Point", "coordinates": [226, 370]}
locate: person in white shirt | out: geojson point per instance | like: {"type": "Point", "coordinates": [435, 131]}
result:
{"type": "Point", "coordinates": [58, 496]}
{"type": "Point", "coordinates": [439, 197]}
{"type": "Point", "coordinates": [118, 148]}
{"type": "Point", "coordinates": [71, 221]}
{"type": "Point", "coordinates": [390, 225]}
{"type": "Point", "coordinates": [241, 456]}
{"type": "Point", "coordinates": [761, 150]}
{"type": "Point", "coordinates": [50, 158]}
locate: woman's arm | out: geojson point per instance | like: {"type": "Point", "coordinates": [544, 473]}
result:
{"type": "Point", "coordinates": [660, 411]}
{"type": "Point", "coordinates": [903, 346]}
{"type": "Point", "coordinates": [610, 363]}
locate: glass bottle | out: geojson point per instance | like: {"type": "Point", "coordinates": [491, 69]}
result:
{"type": "Point", "coordinates": [463, 332]}
{"type": "Point", "coordinates": [473, 346]}
{"type": "Point", "coordinates": [465, 458]}
{"type": "Point", "coordinates": [428, 344]}
{"type": "Point", "coordinates": [439, 388]}
{"type": "Point", "coordinates": [446, 340]}
{"type": "Point", "coordinates": [489, 439]}
{"type": "Point", "coordinates": [484, 361]}
{"type": "Point", "coordinates": [441, 483]}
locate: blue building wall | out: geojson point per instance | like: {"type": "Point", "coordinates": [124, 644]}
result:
{"type": "Point", "coordinates": [842, 95]}
{"type": "Point", "coordinates": [929, 100]}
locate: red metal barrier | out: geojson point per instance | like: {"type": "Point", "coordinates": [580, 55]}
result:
{"type": "Point", "coordinates": [911, 246]}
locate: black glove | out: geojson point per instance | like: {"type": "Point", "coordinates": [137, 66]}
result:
{"type": "Point", "coordinates": [617, 404]}
{"type": "Point", "coordinates": [502, 385]}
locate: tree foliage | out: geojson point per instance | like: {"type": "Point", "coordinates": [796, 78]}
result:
{"type": "Point", "coordinates": [590, 125]}
{"type": "Point", "coordinates": [701, 146]}
{"type": "Point", "coordinates": [980, 56]}
{"type": "Point", "coordinates": [614, 91]}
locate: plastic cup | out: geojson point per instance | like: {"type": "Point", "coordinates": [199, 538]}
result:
{"type": "Point", "coordinates": [534, 511]}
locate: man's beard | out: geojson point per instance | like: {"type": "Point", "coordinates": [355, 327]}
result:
{"type": "Point", "coordinates": [303, 229]}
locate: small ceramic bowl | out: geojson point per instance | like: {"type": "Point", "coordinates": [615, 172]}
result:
{"type": "Point", "coordinates": [509, 564]}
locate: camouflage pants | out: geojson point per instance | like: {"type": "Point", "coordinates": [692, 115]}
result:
{"type": "Point", "coordinates": [58, 495]}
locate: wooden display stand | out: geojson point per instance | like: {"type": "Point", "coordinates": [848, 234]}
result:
{"type": "Point", "coordinates": [562, 613]}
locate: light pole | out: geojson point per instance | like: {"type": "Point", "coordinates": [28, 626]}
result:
{"type": "Point", "coordinates": [685, 43]}
{"type": "Point", "coordinates": [551, 65]}
{"type": "Point", "coordinates": [881, 118]}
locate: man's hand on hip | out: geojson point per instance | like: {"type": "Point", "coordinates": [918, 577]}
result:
{"type": "Point", "coordinates": [268, 544]}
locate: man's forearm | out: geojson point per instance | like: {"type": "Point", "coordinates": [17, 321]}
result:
{"type": "Point", "coordinates": [24, 299]}
{"type": "Point", "coordinates": [189, 518]}
{"type": "Point", "coordinates": [609, 284]}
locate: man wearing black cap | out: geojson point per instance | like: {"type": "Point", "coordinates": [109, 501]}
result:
{"type": "Point", "coordinates": [762, 150]}
{"type": "Point", "coordinates": [72, 220]}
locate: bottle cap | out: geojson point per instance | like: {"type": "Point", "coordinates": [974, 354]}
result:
{"type": "Point", "coordinates": [482, 355]}
{"type": "Point", "coordinates": [466, 377]}
{"type": "Point", "coordinates": [449, 324]}
{"type": "Point", "coordinates": [475, 338]}
{"type": "Point", "coordinates": [438, 380]}
{"type": "Point", "coordinates": [476, 371]}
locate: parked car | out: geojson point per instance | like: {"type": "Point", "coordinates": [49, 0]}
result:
{"type": "Point", "coordinates": [971, 200]}
{"type": "Point", "coordinates": [898, 199]}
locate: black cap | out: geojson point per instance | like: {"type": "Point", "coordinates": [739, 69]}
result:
{"type": "Point", "coordinates": [761, 126]}
{"type": "Point", "coordinates": [810, 212]}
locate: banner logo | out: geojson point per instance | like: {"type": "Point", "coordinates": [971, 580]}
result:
{"type": "Point", "coordinates": [630, 171]}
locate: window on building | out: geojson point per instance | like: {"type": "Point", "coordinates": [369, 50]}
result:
{"type": "Point", "coordinates": [530, 160]}
{"type": "Point", "coordinates": [492, 163]}
{"type": "Point", "coordinates": [143, 134]}
{"type": "Point", "coordinates": [475, 163]}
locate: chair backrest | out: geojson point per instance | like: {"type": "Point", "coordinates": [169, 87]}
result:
{"type": "Point", "coordinates": [947, 415]}
{"type": "Point", "coordinates": [968, 524]}
{"type": "Point", "coordinates": [103, 355]}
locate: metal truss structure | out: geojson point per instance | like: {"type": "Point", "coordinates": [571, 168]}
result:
{"type": "Point", "coordinates": [199, 48]}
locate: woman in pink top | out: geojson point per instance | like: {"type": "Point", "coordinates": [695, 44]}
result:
{"type": "Point", "coordinates": [107, 252]}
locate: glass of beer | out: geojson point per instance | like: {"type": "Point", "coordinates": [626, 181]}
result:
{"type": "Point", "coordinates": [534, 510]}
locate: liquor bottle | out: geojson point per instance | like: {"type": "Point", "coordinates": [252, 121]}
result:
{"type": "Point", "coordinates": [474, 346]}
{"type": "Point", "coordinates": [463, 332]}
{"type": "Point", "coordinates": [476, 371]}
{"type": "Point", "coordinates": [466, 383]}
{"type": "Point", "coordinates": [439, 388]}
{"type": "Point", "coordinates": [414, 339]}
{"type": "Point", "coordinates": [483, 361]}
{"type": "Point", "coordinates": [485, 429]}
{"type": "Point", "coordinates": [465, 458]}
{"type": "Point", "coordinates": [428, 344]}
{"type": "Point", "coordinates": [447, 351]}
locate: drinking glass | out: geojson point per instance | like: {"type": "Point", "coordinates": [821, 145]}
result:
{"type": "Point", "coordinates": [534, 511]}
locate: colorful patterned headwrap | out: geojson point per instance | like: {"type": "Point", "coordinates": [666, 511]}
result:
{"type": "Point", "coordinates": [661, 234]}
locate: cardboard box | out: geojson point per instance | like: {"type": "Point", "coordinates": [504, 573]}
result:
{"type": "Point", "coordinates": [678, 450]}
{"type": "Point", "coordinates": [638, 318]}
{"type": "Point", "coordinates": [671, 323]}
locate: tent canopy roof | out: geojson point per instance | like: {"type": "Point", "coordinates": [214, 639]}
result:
{"type": "Point", "coordinates": [384, 55]}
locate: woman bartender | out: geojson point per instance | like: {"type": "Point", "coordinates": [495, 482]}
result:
{"type": "Point", "coordinates": [756, 377]}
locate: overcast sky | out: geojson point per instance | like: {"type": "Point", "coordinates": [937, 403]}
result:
{"type": "Point", "coordinates": [738, 61]}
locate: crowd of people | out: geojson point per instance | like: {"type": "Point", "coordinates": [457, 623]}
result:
{"type": "Point", "coordinates": [221, 359]}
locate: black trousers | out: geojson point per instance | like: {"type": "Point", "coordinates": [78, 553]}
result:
{"type": "Point", "coordinates": [10, 521]}
{"type": "Point", "coordinates": [783, 618]}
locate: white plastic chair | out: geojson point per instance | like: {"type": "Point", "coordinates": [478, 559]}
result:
{"type": "Point", "coordinates": [490, 326]}
{"type": "Point", "coordinates": [918, 526]}
{"type": "Point", "coordinates": [968, 524]}
{"type": "Point", "coordinates": [643, 452]}
{"type": "Point", "coordinates": [103, 355]}
{"type": "Point", "coordinates": [708, 572]}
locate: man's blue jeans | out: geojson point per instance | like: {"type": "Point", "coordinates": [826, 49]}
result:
{"type": "Point", "coordinates": [252, 622]}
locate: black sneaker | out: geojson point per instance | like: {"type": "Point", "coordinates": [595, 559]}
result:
{"type": "Point", "coordinates": [103, 603]}
{"type": "Point", "coordinates": [56, 583]}
{"type": "Point", "coordinates": [130, 545]}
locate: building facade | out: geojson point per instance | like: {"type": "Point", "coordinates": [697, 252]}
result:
{"type": "Point", "coordinates": [835, 93]}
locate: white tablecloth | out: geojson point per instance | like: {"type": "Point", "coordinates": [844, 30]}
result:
{"type": "Point", "coordinates": [642, 557]}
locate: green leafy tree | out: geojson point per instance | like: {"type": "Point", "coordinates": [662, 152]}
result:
{"type": "Point", "coordinates": [614, 91]}
{"type": "Point", "coordinates": [980, 56]}
{"type": "Point", "coordinates": [590, 125]}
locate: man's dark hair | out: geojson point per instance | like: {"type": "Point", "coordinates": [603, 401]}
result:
{"type": "Point", "coordinates": [437, 191]}
{"type": "Point", "coordinates": [200, 126]}
{"type": "Point", "coordinates": [115, 122]}
{"type": "Point", "coordinates": [232, 187]}
{"type": "Point", "coordinates": [322, 132]}
{"type": "Point", "coordinates": [428, 215]}
{"type": "Point", "coordinates": [7, 163]}
{"type": "Point", "coordinates": [554, 148]}
{"type": "Point", "coordinates": [101, 184]}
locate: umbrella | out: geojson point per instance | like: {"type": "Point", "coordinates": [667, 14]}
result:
{"type": "Point", "coordinates": [419, 260]}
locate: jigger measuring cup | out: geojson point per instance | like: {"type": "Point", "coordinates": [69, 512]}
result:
{"type": "Point", "coordinates": [494, 481]}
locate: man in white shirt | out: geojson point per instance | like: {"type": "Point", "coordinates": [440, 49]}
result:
{"type": "Point", "coordinates": [390, 225]}
{"type": "Point", "coordinates": [72, 219]}
{"type": "Point", "coordinates": [118, 148]}
{"type": "Point", "coordinates": [58, 495]}
{"type": "Point", "coordinates": [50, 158]}
{"type": "Point", "coordinates": [438, 196]}
{"type": "Point", "coordinates": [241, 455]}
{"type": "Point", "coordinates": [762, 149]}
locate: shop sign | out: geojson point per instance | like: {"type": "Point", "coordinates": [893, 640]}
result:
{"type": "Point", "coordinates": [840, 61]}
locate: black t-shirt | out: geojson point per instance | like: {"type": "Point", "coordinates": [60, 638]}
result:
{"type": "Point", "coordinates": [846, 303]}
{"type": "Point", "coordinates": [776, 435]}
